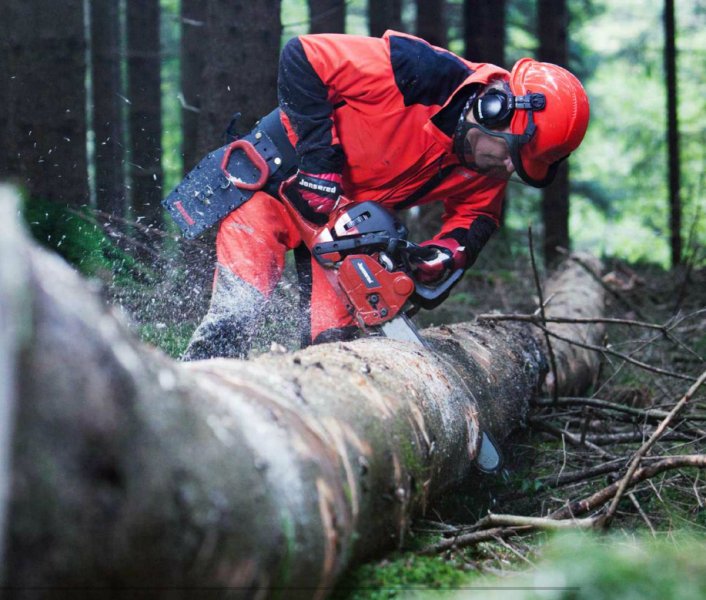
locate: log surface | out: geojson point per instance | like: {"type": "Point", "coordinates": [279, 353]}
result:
{"type": "Point", "coordinates": [130, 469]}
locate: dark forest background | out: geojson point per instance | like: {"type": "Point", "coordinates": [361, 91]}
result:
{"type": "Point", "coordinates": [106, 103]}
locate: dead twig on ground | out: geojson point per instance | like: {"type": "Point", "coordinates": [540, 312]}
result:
{"type": "Point", "coordinates": [569, 437]}
{"type": "Point", "coordinates": [532, 318]}
{"type": "Point", "coordinates": [613, 292]}
{"type": "Point", "coordinates": [470, 539]}
{"type": "Point", "coordinates": [503, 526]}
{"type": "Point", "coordinates": [642, 513]}
{"type": "Point", "coordinates": [625, 357]}
{"type": "Point", "coordinates": [650, 414]}
{"type": "Point", "coordinates": [607, 493]}
{"type": "Point", "coordinates": [645, 448]}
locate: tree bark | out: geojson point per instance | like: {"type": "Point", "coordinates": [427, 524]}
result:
{"type": "Point", "coordinates": [43, 130]}
{"type": "Point", "coordinates": [674, 161]}
{"type": "Point", "coordinates": [431, 21]}
{"type": "Point", "coordinates": [197, 258]}
{"type": "Point", "coordinates": [484, 31]}
{"type": "Point", "coordinates": [145, 110]}
{"type": "Point", "coordinates": [327, 16]}
{"type": "Point", "coordinates": [244, 477]}
{"type": "Point", "coordinates": [484, 41]}
{"type": "Point", "coordinates": [553, 17]}
{"type": "Point", "coordinates": [193, 26]}
{"type": "Point", "coordinates": [384, 15]}
{"type": "Point", "coordinates": [241, 41]}
{"type": "Point", "coordinates": [107, 94]}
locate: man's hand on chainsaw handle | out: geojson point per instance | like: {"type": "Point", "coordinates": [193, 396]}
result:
{"type": "Point", "coordinates": [320, 191]}
{"type": "Point", "coordinates": [449, 256]}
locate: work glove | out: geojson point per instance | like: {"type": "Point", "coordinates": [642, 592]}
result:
{"type": "Point", "coordinates": [448, 256]}
{"type": "Point", "coordinates": [320, 191]}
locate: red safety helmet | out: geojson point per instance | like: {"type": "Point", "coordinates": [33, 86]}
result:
{"type": "Point", "coordinates": [560, 124]}
{"type": "Point", "coordinates": [547, 111]}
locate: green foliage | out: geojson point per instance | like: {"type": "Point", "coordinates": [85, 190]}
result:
{"type": "Point", "coordinates": [296, 21]}
{"type": "Point", "coordinates": [171, 339]}
{"type": "Point", "coordinates": [521, 27]}
{"type": "Point", "coordinates": [624, 154]}
{"type": "Point", "coordinates": [571, 566]}
{"type": "Point", "coordinates": [400, 576]}
{"type": "Point", "coordinates": [170, 33]}
{"type": "Point", "coordinates": [589, 567]}
{"type": "Point", "coordinates": [83, 243]}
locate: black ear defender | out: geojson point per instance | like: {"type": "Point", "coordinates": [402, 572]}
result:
{"type": "Point", "coordinates": [495, 108]}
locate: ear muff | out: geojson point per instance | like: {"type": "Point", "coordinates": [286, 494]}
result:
{"type": "Point", "coordinates": [494, 109]}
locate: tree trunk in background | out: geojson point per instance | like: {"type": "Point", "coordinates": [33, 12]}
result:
{"type": "Point", "coordinates": [145, 111]}
{"type": "Point", "coordinates": [431, 26]}
{"type": "Point", "coordinates": [197, 257]}
{"type": "Point", "coordinates": [553, 17]}
{"type": "Point", "coordinates": [235, 53]}
{"type": "Point", "coordinates": [484, 31]}
{"type": "Point", "coordinates": [384, 15]}
{"type": "Point", "coordinates": [670, 68]}
{"type": "Point", "coordinates": [241, 42]}
{"type": "Point", "coordinates": [6, 47]}
{"type": "Point", "coordinates": [44, 99]}
{"type": "Point", "coordinates": [484, 41]}
{"type": "Point", "coordinates": [327, 16]}
{"type": "Point", "coordinates": [268, 476]}
{"type": "Point", "coordinates": [431, 21]}
{"type": "Point", "coordinates": [193, 27]}
{"type": "Point", "coordinates": [107, 107]}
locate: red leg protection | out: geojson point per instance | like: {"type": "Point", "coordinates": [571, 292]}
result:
{"type": "Point", "coordinates": [253, 240]}
{"type": "Point", "coordinates": [252, 243]}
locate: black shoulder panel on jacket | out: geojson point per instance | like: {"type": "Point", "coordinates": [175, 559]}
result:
{"type": "Point", "coordinates": [447, 118]}
{"type": "Point", "coordinates": [425, 75]}
{"type": "Point", "coordinates": [303, 97]}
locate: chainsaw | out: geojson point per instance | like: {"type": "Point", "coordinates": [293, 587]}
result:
{"type": "Point", "coordinates": [369, 261]}
{"type": "Point", "coordinates": [367, 258]}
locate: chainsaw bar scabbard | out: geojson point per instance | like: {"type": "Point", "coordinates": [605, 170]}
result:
{"type": "Point", "coordinates": [222, 181]}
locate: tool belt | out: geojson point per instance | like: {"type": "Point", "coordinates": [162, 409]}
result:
{"type": "Point", "coordinates": [229, 176]}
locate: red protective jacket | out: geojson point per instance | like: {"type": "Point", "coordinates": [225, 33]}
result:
{"type": "Point", "coordinates": [382, 111]}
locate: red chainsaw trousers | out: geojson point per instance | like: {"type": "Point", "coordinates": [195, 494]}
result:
{"type": "Point", "coordinates": [252, 242]}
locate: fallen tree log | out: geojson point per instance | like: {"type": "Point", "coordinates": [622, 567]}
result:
{"type": "Point", "coordinates": [131, 470]}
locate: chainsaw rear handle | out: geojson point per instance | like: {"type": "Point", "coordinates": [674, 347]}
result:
{"type": "Point", "coordinates": [419, 253]}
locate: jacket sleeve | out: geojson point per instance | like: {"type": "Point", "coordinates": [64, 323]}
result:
{"type": "Point", "coordinates": [472, 220]}
{"type": "Point", "coordinates": [318, 73]}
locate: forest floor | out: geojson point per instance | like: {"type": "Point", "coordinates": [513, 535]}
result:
{"type": "Point", "coordinates": [573, 448]}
